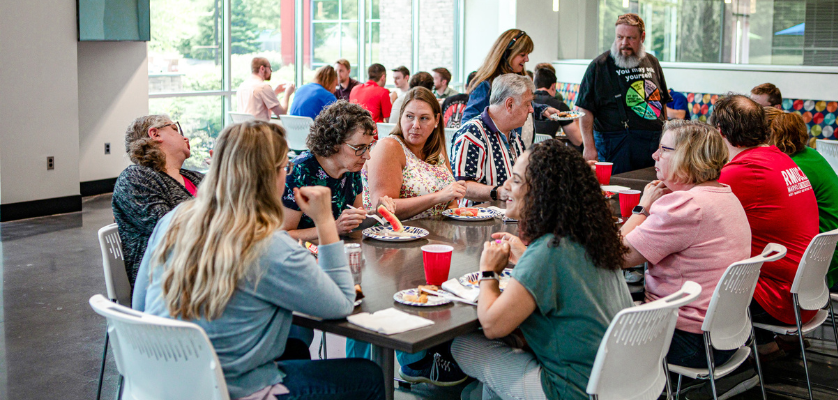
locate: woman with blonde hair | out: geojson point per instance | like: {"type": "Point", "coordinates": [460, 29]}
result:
{"type": "Point", "coordinates": [788, 132]}
{"type": "Point", "coordinates": [222, 262]}
{"type": "Point", "coordinates": [688, 226]}
{"type": "Point", "coordinates": [411, 164]}
{"type": "Point", "coordinates": [313, 97]}
{"type": "Point", "coordinates": [508, 55]}
{"type": "Point", "coordinates": [153, 186]}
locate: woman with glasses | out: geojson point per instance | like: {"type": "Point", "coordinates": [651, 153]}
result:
{"type": "Point", "coordinates": [222, 262]}
{"type": "Point", "coordinates": [339, 144]}
{"type": "Point", "coordinates": [153, 186]}
{"type": "Point", "coordinates": [688, 226]}
{"type": "Point", "coordinates": [411, 164]}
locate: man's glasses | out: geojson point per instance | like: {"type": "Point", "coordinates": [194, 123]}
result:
{"type": "Point", "coordinates": [175, 124]}
{"type": "Point", "coordinates": [359, 150]}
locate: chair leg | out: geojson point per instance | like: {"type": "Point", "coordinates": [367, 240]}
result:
{"type": "Point", "coordinates": [119, 387]}
{"type": "Point", "coordinates": [756, 358]}
{"type": "Point", "coordinates": [678, 390]}
{"type": "Point", "coordinates": [802, 348]}
{"type": "Point", "coordinates": [708, 350]}
{"type": "Point", "coordinates": [102, 370]}
{"type": "Point", "coordinates": [832, 317]}
{"type": "Point", "coordinates": [325, 349]}
{"type": "Point", "coordinates": [668, 383]}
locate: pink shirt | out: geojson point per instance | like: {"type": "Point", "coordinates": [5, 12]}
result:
{"type": "Point", "coordinates": [692, 235]}
{"type": "Point", "coordinates": [256, 97]}
{"type": "Point", "coordinates": [190, 187]}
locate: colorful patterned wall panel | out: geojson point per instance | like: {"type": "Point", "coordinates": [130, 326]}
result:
{"type": "Point", "coordinates": [569, 91]}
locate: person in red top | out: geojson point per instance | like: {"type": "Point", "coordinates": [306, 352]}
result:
{"type": "Point", "coordinates": [372, 95]}
{"type": "Point", "coordinates": [779, 202]}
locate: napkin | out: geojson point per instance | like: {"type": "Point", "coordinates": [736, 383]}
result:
{"type": "Point", "coordinates": [389, 321]}
{"type": "Point", "coordinates": [502, 212]}
{"type": "Point", "coordinates": [454, 286]}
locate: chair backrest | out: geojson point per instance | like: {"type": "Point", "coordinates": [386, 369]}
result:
{"type": "Point", "coordinates": [240, 117]}
{"type": "Point", "coordinates": [829, 151]}
{"type": "Point", "coordinates": [540, 138]}
{"type": "Point", "coordinates": [384, 128]}
{"type": "Point", "coordinates": [810, 280]}
{"type": "Point", "coordinates": [727, 317]}
{"type": "Point", "coordinates": [629, 362]}
{"type": "Point", "coordinates": [449, 139]}
{"type": "Point", "coordinates": [161, 358]}
{"type": "Point", "coordinates": [296, 130]}
{"type": "Point", "coordinates": [116, 278]}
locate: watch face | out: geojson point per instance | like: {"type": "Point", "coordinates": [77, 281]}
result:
{"type": "Point", "coordinates": [488, 274]}
{"type": "Point", "coordinates": [637, 209]}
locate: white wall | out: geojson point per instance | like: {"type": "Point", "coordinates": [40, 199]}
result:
{"type": "Point", "coordinates": [113, 91]}
{"type": "Point", "coordinates": [817, 83]}
{"type": "Point", "coordinates": [577, 29]}
{"type": "Point", "coordinates": [39, 102]}
{"type": "Point", "coordinates": [481, 29]}
{"type": "Point", "coordinates": [541, 23]}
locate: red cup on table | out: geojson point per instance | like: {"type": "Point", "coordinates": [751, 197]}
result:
{"type": "Point", "coordinates": [628, 200]}
{"type": "Point", "coordinates": [437, 260]}
{"type": "Point", "coordinates": [603, 172]}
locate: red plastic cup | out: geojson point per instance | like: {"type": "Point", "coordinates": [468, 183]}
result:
{"type": "Point", "coordinates": [603, 172]}
{"type": "Point", "coordinates": [437, 260]}
{"type": "Point", "coordinates": [628, 200]}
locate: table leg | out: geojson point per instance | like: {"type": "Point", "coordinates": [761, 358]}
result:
{"type": "Point", "coordinates": [384, 357]}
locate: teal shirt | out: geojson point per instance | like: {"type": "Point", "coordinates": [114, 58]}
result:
{"type": "Point", "coordinates": [575, 303]}
{"type": "Point", "coordinates": [824, 182]}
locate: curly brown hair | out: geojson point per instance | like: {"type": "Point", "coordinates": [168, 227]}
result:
{"type": "Point", "coordinates": [564, 198]}
{"type": "Point", "coordinates": [335, 124]}
{"type": "Point", "coordinates": [142, 149]}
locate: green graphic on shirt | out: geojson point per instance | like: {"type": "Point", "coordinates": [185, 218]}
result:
{"type": "Point", "coordinates": [643, 97]}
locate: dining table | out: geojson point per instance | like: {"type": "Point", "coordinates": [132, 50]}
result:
{"type": "Point", "coordinates": [390, 267]}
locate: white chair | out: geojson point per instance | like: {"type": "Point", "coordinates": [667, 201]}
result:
{"type": "Point", "coordinates": [727, 324]}
{"type": "Point", "coordinates": [116, 282]}
{"type": "Point", "coordinates": [240, 117]}
{"type": "Point", "coordinates": [809, 292]}
{"type": "Point", "coordinates": [629, 364]}
{"type": "Point", "coordinates": [161, 358]}
{"type": "Point", "coordinates": [296, 130]}
{"type": "Point", "coordinates": [829, 151]}
{"type": "Point", "coordinates": [384, 128]}
{"type": "Point", "coordinates": [449, 139]}
{"type": "Point", "coordinates": [540, 138]}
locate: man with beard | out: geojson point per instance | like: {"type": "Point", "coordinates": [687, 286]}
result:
{"type": "Point", "coordinates": [623, 95]}
{"type": "Point", "coordinates": [256, 97]}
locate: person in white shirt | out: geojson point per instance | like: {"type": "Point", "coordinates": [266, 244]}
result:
{"type": "Point", "coordinates": [256, 97]}
{"type": "Point", "coordinates": [401, 79]}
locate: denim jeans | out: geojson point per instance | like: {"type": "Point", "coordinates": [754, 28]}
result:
{"type": "Point", "coordinates": [358, 349]}
{"type": "Point", "coordinates": [629, 150]}
{"type": "Point", "coordinates": [687, 350]}
{"type": "Point", "coordinates": [350, 378]}
{"type": "Point", "coordinates": [758, 314]}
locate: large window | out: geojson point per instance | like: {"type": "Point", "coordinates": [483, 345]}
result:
{"type": "Point", "coordinates": [786, 32]}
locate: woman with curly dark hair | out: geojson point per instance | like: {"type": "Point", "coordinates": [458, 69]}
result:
{"type": "Point", "coordinates": [565, 288]}
{"type": "Point", "coordinates": [153, 186]}
{"type": "Point", "coordinates": [339, 144]}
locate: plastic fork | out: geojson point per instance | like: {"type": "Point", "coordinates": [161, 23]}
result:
{"type": "Point", "coordinates": [376, 217]}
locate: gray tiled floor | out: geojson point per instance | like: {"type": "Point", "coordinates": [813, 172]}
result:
{"type": "Point", "coordinates": [52, 341]}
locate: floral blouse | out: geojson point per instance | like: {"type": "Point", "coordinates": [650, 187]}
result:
{"type": "Point", "coordinates": [308, 172]}
{"type": "Point", "coordinates": [418, 178]}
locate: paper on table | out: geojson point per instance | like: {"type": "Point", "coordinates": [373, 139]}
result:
{"type": "Point", "coordinates": [502, 213]}
{"type": "Point", "coordinates": [389, 321]}
{"type": "Point", "coordinates": [454, 286]}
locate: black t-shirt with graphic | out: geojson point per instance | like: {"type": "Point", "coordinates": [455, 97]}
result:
{"type": "Point", "coordinates": [641, 92]}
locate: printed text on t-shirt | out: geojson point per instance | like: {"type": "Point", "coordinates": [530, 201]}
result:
{"type": "Point", "coordinates": [796, 181]}
{"type": "Point", "coordinates": [637, 73]}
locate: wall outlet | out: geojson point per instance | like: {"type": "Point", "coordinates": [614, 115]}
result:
{"type": "Point", "coordinates": [107, 148]}
{"type": "Point", "coordinates": [50, 163]}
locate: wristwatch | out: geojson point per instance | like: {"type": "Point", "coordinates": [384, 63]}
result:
{"type": "Point", "coordinates": [484, 275]}
{"type": "Point", "coordinates": [494, 193]}
{"type": "Point", "coordinates": [640, 210]}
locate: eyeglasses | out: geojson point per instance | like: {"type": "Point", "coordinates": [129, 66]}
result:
{"type": "Point", "coordinates": [359, 150]}
{"type": "Point", "coordinates": [664, 149]}
{"type": "Point", "coordinates": [175, 124]}
{"type": "Point", "coordinates": [289, 167]}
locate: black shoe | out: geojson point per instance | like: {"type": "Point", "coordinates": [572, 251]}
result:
{"type": "Point", "coordinates": [738, 382]}
{"type": "Point", "coordinates": [433, 369]}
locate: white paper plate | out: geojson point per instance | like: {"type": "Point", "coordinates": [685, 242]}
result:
{"type": "Point", "coordinates": [470, 280]}
{"type": "Point", "coordinates": [614, 188]}
{"type": "Point", "coordinates": [579, 114]}
{"type": "Point", "coordinates": [483, 214]}
{"type": "Point", "coordinates": [380, 233]}
{"type": "Point", "coordinates": [432, 300]}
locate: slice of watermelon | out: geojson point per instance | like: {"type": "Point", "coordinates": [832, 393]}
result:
{"type": "Point", "coordinates": [466, 212]}
{"type": "Point", "coordinates": [391, 218]}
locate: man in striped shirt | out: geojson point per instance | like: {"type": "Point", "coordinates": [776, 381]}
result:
{"type": "Point", "coordinates": [485, 148]}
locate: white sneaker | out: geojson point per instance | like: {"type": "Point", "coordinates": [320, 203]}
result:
{"type": "Point", "coordinates": [633, 276]}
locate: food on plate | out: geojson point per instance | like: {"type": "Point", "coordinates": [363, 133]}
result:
{"type": "Point", "coordinates": [434, 288]}
{"type": "Point", "coordinates": [608, 194]}
{"type": "Point", "coordinates": [391, 218]}
{"type": "Point", "coordinates": [422, 297]}
{"type": "Point", "coordinates": [466, 212]}
{"type": "Point", "coordinates": [359, 294]}
{"type": "Point", "coordinates": [501, 282]}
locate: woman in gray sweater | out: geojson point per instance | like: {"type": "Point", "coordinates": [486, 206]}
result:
{"type": "Point", "coordinates": [222, 262]}
{"type": "Point", "coordinates": [153, 186]}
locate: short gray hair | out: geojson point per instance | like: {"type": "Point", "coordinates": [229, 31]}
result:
{"type": "Point", "coordinates": [510, 85]}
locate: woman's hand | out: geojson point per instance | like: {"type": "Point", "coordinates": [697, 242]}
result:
{"type": "Point", "coordinates": [592, 164]}
{"type": "Point", "coordinates": [454, 191]}
{"type": "Point", "coordinates": [495, 256]}
{"type": "Point", "coordinates": [349, 219]}
{"type": "Point", "coordinates": [516, 246]}
{"type": "Point", "coordinates": [653, 191]}
{"type": "Point", "coordinates": [316, 202]}
{"type": "Point", "coordinates": [387, 202]}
